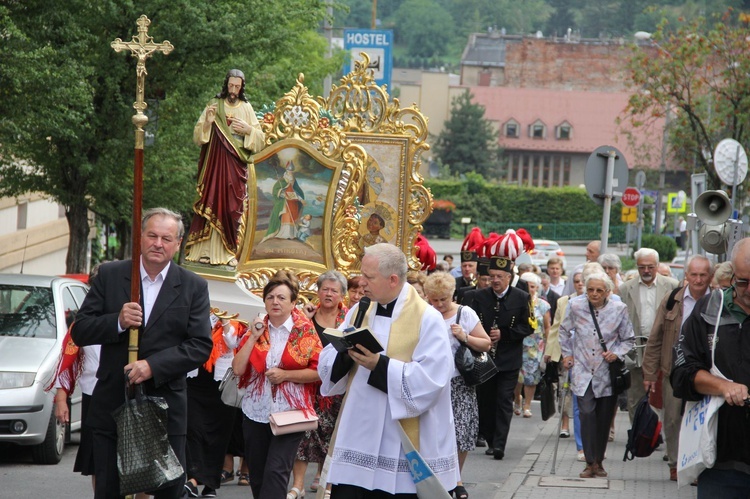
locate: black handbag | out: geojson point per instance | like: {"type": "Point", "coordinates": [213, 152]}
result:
{"type": "Point", "coordinates": [463, 357]}
{"type": "Point", "coordinates": [145, 459]}
{"type": "Point", "coordinates": [619, 374]}
{"type": "Point", "coordinates": [546, 390]}
{"type": "Point", "coordinates": [482, 367]}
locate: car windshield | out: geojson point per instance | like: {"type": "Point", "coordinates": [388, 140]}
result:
{"type": "Point", "coordinates": [27, 311]}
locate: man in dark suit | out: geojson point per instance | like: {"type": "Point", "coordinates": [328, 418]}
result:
{"type": "Point", "coordinates": [505, 313]}
{"type": "Point", "coordinates": [173, 318]}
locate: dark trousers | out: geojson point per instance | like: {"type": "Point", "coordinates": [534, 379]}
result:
{"type": "Point", "coordinates": [595, 415]}
{"type": "Point", "coordinates": [269, 458]}
{"type": "Point", "coordinates": [506, 383]}
{"type": "Point", "coordinates": [727, 484]}
{"type": "Point", "coordinates": [105, 467]}
{"type": "Point", "coordinates": [486, 403]}
{"type": "Point", "coordinates": [353, 492]}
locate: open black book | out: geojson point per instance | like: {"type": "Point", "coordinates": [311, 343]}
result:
{"type": "Point", "coordinates": [346, 339]}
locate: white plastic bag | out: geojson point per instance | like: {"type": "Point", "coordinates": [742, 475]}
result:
{"type": "Point", "coordinates": [697, 445]}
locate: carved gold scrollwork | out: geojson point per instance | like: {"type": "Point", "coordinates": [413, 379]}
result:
{"type": "Point", "coordinates": [361, 108]}
{"type": "Point", "coordinates": [255, 280]}
{"type": "Point", "coordinates": [297, 116]}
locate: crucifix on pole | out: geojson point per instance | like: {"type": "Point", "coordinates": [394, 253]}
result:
{"type": "Point", "coordinates": [141, 47]}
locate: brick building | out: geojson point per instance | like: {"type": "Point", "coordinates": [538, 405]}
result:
{"type": "Point", "coordinates": [552, 101]}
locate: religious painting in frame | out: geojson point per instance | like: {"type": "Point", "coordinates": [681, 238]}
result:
{"type": "Point", "coordinates": [300, 193]}
{"type": "Point", "coordinates": [392, 202]}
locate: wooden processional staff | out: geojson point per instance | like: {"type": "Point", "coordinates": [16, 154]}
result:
{"type": "Point", "coordinates": [141, 46]}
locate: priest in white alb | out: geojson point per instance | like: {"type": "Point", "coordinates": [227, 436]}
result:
{"type": "Point", "coordinates": [408, 384]}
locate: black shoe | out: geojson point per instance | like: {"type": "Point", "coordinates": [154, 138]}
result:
{"type": "Point", "coordinates": [208, 492]}
{"type": "Point", "coordinates": [498, 454]}
{"type": "Point", "coordinates": [490, 451]}
{"type": "Point", "coordinates": [481, 442]}
{"type": "Point", "coordinates": [192, 490]}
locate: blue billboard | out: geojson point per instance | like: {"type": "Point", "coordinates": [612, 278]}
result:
{"type": "Point", "coordinates": [378, 45]}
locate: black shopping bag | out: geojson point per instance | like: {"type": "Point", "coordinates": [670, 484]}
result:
{"type": "Point", "coordinates": [145, 459]}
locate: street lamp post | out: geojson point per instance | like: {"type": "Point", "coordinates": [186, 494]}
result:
{"type": "Point", "coordinates": [465, 221]}
{"type": "Point", "coordinates": [646, 36]}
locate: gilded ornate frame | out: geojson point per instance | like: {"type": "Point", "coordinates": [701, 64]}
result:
{"type": "Point", "coordinates": [363, 111]}
{"type": "Point", "coordinates": [297, 124]}
{"type": "Point", "coordinates": [373, 147]}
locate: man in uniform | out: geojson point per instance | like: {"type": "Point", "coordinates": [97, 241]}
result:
{"type": "Point", "coordinates": [505, 313]}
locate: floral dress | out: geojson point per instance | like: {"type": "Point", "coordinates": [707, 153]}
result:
{"type": "Point", "coordinates": [533, 347]}
{"type": "Point", "coordinates": [464, 398]}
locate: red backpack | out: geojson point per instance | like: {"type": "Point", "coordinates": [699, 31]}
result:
{"type": "Point", "coordinates": [645, 435]}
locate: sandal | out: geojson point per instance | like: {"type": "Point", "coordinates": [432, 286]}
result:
{"type": "Point", "coordinates": [295, 493]}
{"type": "Point", "coordinates": [460, 492]}
{"type": "Point", "coordinates": [244, 479]}
{"type": "Point", "coordinates": [227, 476]}
{"type": "Point", "coordinates": [315, 483]}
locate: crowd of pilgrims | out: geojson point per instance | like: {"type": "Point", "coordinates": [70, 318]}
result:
{"type": "Point", "coordinates": [229, 445]}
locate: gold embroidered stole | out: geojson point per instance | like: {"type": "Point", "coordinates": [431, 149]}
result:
{"type": "Point", "coordinates": [400, 347]}
{"type": "Point", "coordinates": [402, 340]}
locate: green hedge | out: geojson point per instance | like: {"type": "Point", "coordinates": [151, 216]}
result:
{"type": "Point", "coordinates": [560, 213]}
{"type": "Point", "coordinates": [664, 245]}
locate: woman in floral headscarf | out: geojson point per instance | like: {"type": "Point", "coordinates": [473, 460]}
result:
{"type": "Point", "coordinates": [277, 362]}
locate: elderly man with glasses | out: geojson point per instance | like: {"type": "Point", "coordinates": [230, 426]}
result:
{"type": "Point", "coordinates": [691, 379]}
{"type": "Point", "coordinates": [642, 297]}
{"type": "Point", "coordinates": [671, 315]}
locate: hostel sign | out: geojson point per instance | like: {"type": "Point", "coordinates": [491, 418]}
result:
{"type": "Point", "coordinates": [378, 45]}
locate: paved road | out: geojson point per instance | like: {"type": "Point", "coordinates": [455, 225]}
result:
{"type": "Point", "coordinates": [20, 478]}
{"type": "Point", "coordinates": [524, 473]}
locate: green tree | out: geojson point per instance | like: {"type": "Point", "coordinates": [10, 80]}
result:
{"type": "Point", "coordinates": [699, 71]}
{"type": "Point", "coordinates": [473, 16]}
{"type": "Point", "coordinates": [468, 142]}
{"type": "Point", "coordinates": [561, 19]}
{"type": "Point", "coordinates": [66, 97]}
{"type": "Point", "coordinates": [424, 27]}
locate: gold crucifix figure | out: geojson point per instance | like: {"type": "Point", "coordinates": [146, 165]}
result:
{"type": "Point", "coordinates": [141, 46]}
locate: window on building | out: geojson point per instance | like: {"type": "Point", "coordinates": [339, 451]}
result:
{"type": "Point", "coordinates": [537, 130]}
{"type": "Point", "coordinates": [564, 131]}
{"type": "Point", "coordinates": [22, 215]}
{"type": "Point", "coordinates": [512, 129]}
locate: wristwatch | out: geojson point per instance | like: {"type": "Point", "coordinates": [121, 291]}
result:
{"type": "Point", "coordinates": [259, 326]}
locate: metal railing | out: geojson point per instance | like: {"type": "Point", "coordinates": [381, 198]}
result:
{"type": "Point", "coordinates": [560, 231]}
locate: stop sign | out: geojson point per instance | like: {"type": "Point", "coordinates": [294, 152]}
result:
{"type": "Point", "coordinates": [631, 196]}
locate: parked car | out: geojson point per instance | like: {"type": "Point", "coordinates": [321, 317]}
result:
{"type": "Point", "coordinates": [35, 313]}
{"type": "Point", "coordinates": [544, 249]}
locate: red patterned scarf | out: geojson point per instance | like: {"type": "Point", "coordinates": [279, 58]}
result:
{"type": "Point", "coordinates": [301, 352]}
{"type": "Point", "coordinates": [69, 365]}
{"type": "Point", "coordinates": [220, 347]}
